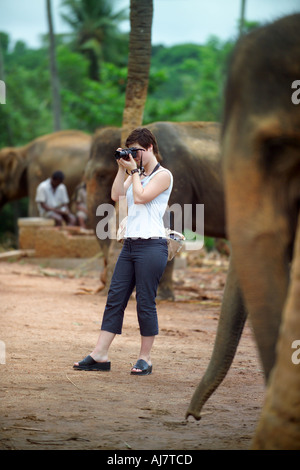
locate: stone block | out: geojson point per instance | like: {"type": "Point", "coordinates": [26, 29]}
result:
{"type": "Point", "coordinates": [48, 241]}
{"type": "Point", "coordinates": [60, 242]}
{"type": "Point", "coordinates": [28, 228]}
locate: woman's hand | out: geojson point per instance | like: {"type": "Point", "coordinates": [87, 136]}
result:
{"type": "Point", "coordinates": [127, 164]}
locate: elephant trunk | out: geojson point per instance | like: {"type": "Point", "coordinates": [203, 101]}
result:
{"type": "Point", "coordinates": [279, 425]}
{"type": "Point", "coordinates": [230, 327]}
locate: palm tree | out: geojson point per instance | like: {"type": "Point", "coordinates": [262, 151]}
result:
{"type": "Point", "coordinates": [95, 25]}
{"type": "Point", "coordinates": [242, 17]}
{"type": "Point", "coordinates": [141, 14]}
{"type": "Point", "coordinates": [53, 71]}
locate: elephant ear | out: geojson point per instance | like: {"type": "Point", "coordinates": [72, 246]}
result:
{"type": "Point", "coordinates": [12, 166]}
{"type": "Point", "coordinates": [10, 163]}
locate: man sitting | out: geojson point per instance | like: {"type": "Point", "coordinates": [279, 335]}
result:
{"type": "Point", "coordinates": [52, 200]}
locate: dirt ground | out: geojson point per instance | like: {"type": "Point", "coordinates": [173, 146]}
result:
{"type": "Point", "coordinates": [50, 318]}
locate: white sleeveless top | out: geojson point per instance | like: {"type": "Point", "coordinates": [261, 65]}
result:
{"type": "Point", "coordinates": [146, 220]}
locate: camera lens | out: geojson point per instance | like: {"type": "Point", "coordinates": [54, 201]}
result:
{"type": "Point", "coordinates": [124, 153]}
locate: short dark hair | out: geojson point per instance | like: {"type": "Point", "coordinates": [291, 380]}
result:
{"type": "Point", "coordinates": [145, 138]}
{"type": "Point", "coordinates": [58, 176]}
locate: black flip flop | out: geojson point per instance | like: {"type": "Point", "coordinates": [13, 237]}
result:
{"type": "Point", "coordinates": [88, 363]}
{"type": "Point", "coordinates": [144, 367]}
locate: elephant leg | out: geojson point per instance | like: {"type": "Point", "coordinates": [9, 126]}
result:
{"type": "Point", "coordinates": [165, 288]}
{"type": "Point", "coordinates": [279, 424]}
{"type": "Point", "coordinates": [231, 323]}
{"type": "Point", "coordinates": [32, 205]}
{"type": "Point", "coordinates": [260, 234]}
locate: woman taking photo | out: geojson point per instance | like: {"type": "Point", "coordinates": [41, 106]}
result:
{"type": "Point", "coordinates": [144, 255]}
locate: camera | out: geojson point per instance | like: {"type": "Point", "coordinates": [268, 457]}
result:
{"type": "Point", "coordinates": [124, 153]}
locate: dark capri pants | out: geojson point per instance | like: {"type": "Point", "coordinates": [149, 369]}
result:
{"type": "Point", "coordinates": [141, 264]}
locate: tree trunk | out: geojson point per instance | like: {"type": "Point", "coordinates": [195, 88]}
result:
{"type": "Point", "coordinates": [141, 13]}
{"type": "Point", "coordinates": [279, 425]}
{"type": "Point", "coordinates": [53, 72]}
{"type": "Point", "coordinates": [242, 17]}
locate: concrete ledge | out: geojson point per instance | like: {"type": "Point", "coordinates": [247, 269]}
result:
{"type": "Point", "coordinates": [35, 222]}
{"type": "Point", "coordinates": [28, 228]}
{"type": "Point", "coordinates": [60, 242]}
{"type": "Point", "coordinates": [48, 241]}
{"type": "Point", "coordinates": [16, 254]}
{"type": "Point", "coordinates": [94, 264]}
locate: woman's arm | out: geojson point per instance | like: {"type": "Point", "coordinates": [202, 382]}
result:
{"type": "Point", "coordinates": [141, 195]}
{"type": "Point", "coordinates": [118, 189]}
{"type": "Point", "coordinates": [156, 186]}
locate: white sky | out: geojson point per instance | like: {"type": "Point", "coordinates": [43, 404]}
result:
{"type": "Point", "coordinates": [174, 21]}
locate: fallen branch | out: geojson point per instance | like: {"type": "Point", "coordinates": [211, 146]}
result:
{"type": "Point", "coordinates": [16, 254]}
{"type": "Point", "coordinates": [72, 382]}
{"type": "Point", "coordinates": [24, 428]}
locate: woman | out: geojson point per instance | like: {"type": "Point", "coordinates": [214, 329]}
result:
{"type": "Point", "coordinates": [143, 258]}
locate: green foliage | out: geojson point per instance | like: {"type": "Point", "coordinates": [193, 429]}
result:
{"type": "Point", "coordinates": [209, 243]}
{"type": "Point", "coordinates": [95, 26]}
{"type": "Point", "coordinates": [185, 84]}
{"type": "Point", "coordinates": [88, 104]}
{"type": "Point", "coordinates": [192, 81]}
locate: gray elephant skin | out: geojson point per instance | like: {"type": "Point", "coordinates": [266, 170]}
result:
{"type": "Point", "coordinates": [261, 166]}
{"type": "Point", "coordinates": [23, 168]}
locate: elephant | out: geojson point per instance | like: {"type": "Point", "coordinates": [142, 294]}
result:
{"type": "Point", "coordinates": [260, 152]}
{"type": "Point", "coordinates": [279, 424]}
{"type": "Point", "coordinates": [13, 174]}
{"type": "Point", "coordinates": [23, 168]}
